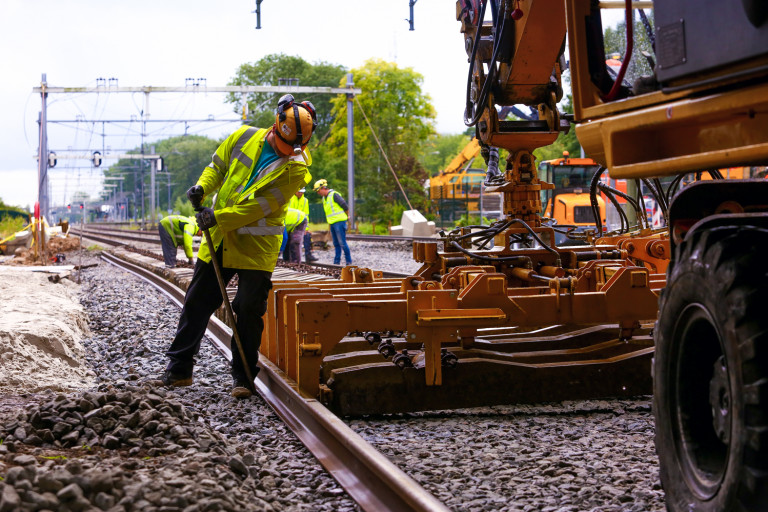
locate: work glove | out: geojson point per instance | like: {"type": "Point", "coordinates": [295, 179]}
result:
{"type": "Point", "coordinates": [195, 195]}
{"type": "Point", "coordinates": [205, 218]}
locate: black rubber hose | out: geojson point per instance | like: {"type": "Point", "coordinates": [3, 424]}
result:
{"type": "Point", "coordinates": [593, 198]}
{"type": "Point", "coordinates": [641, 201]}
{"type": "Point", "coordinates": [622, 214]}
{"type": "Point", "coordinates": [537, 238]}
{"type": "Point", "coordinates": [657, 195]}
{"type": "Point", "coordinates": [517, 259]}
{"type": "Point", "coordinates": [484, 231]}
{"type": "Point", "coordinates": [673, 187]}
{"type": "Point", "coordinates": [660, 188]}
{"type": "Point", "coordinates": [498, 29]}
{"type": "Point", "coordinates": [621, 194]}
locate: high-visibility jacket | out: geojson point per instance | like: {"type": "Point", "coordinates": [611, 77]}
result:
{"type": "Point", "coordinates": [293, 218]}
{"type": "Point", "coordinates": [181, 229]}
{"type": "Point", "coordinates": [333, 212]}
{"type": "Point", "coordinates": [300, 204]}
{"type": "Point", "coordinates": [249, 221]}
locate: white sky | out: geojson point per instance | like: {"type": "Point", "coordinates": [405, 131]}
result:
{"type": "Point", "coordinates": [160, 43]}
{"type": "Point", "coordinates": [163, 42]}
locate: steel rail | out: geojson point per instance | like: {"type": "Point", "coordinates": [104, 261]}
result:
{"type": "Point", "coordinates": [350, 236]}
{"type": "Point", "coordinates": [371, 479]}
{"type": "Point", "coordinates": [113, 240]}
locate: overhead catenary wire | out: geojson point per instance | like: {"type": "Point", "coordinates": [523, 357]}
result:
{"type": "Point", "coordinates": [394, 174]}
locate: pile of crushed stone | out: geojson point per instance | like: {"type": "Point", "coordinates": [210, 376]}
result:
{"type": "Point", "coordinates": [107, 449]}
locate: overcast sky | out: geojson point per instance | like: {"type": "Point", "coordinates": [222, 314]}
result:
{"type": "Point", "coordinates": [164, 42]}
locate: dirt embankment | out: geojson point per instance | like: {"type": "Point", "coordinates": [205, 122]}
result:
{"type": "Point", "coordinates": [41, 325]}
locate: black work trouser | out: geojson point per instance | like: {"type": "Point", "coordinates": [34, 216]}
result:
{"type": "Point", "coordinates": [203, 298]}
{"type": "Point", "coordinates": [169, 246]}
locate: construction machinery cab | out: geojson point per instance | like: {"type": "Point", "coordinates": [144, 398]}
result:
{"type": "Point", "coordinates": [568, 203]}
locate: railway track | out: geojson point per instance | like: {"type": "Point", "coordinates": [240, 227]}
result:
{"type": "Point", "coordinates": [367, 475]}
{"type": "Point", "coordinates": [137, 235]}
{"type": "Point", "coordinates": [429, 447]}
{"type": "Point", "coordinates": [149, 242]}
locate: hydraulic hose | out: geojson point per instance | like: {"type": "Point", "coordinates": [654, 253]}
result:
{"type": "Point", "coordinates": [516, 259]}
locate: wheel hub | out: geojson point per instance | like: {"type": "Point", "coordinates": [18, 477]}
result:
{"type": "Point", "coordinates": [720, 400]}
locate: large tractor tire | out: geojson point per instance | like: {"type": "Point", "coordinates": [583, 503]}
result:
{"type": "Point", "coordinates": [711, 373]}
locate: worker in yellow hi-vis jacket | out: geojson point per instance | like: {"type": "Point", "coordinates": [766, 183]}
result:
{"type": "Point", "coordinates": [299, 201]}
{"type": "Point", "coordinates": [177, 230]}
{"type": "Point", "coordinates": [295, 226]}
{"type": "Point", "coordinates": [254, 172]}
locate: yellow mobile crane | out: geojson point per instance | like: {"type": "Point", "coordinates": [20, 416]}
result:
{"type": "Point", "coordinates": [457, 188]}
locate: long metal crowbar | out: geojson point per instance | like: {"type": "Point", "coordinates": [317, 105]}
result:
{"type": "Point", "coordinates": [230, 313]}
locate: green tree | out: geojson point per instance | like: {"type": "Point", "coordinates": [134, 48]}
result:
{"type": "Point", "coordinates": [268, 70]}
{"type": "Point", "coordinates": [402, 117]}
{"type": "Point", "coordinates": [615, 42]}
{"type": "Point", "coordinates": [439, 149]}
{"type": "Point", "coordinates": [184, 157]}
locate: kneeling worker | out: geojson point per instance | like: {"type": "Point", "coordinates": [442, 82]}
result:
{"type": "Point", "coordinates": [175, 230]}
{"type": "Point", "coordinates": [255, 172]}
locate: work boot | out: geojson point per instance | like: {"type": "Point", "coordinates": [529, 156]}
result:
{"type": "Point", "coordinates": [310, 257]}
{"type": "Point", "coordinates": [241, 389]}
{"type": "Point", "coordinates": [173, 380]}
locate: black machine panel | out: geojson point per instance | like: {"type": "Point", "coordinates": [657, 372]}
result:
{"type": "Point", "coordinates": [690, 37]}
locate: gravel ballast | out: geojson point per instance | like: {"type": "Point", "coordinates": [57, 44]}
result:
{"type": "Point", "coordinates": [124, 445]}
{"type": "Point", "coordinates": [127, 446]}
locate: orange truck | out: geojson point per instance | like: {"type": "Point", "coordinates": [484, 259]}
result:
{"type": "Point", "coordinates": [568, 203]}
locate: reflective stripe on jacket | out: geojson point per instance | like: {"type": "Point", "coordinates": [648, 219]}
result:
{"type": "Point", "coordinates": [181, 229]}
{"type": "Point", "coordinates": [333, 212]}
{"type": "Point", "coordinates": [300, 204]}
{"type": "Point", "coordinates": [293, 218]}
{"type": "Point", "coordinates": [249, 221]}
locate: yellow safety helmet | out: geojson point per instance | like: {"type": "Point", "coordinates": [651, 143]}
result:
{"type": "Point", "coordinates": [294, 124]}
{"type": "Point", "coordinates": [320, 184]}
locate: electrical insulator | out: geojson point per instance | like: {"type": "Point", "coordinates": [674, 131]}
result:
{"type": "Point", "coordinates": [96, 159]}
{"type": "Point", "coordinates": [51, 159]}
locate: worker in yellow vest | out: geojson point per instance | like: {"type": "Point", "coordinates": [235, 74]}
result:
{"type": "Point", "coordinates": [177, 230]}
{"type": "Point", "coordinates": [336, 214]}
{"type": "Point", "coordinates": [295, 226]}
{"type": "Point", "coordinates": [299, 201]}
{"type": "Point", "coordinates": [251, 177]}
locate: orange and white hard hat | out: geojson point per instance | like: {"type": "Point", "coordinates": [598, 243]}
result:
{"type": "Point", "coordinates": [294, 124]}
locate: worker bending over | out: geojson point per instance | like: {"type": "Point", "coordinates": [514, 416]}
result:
{"type": "Point", "coordinates": [295, 226]}
{"type": "Point", "coordinates": [336, 214]}
{"type": "Point", "coordinates": [299, 201]}
{"type": "Point", "coordinates": [175, 230]}
{"type": "Point", "coordinates": [255, 172]}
